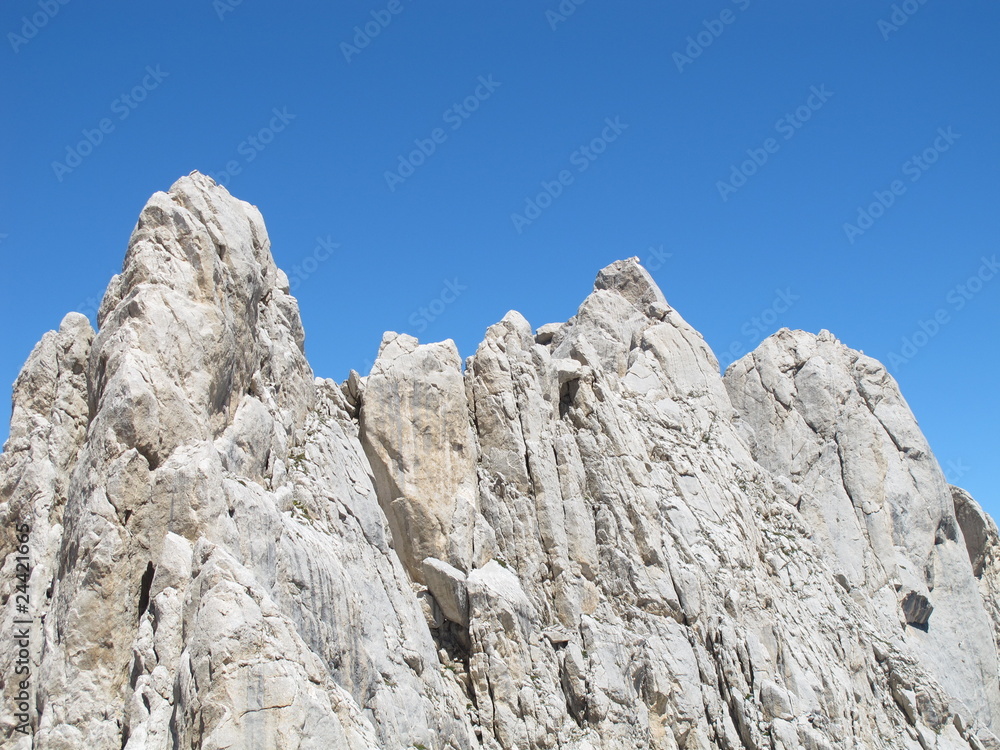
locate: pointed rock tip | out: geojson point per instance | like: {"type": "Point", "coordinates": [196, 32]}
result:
{"type": "Point", "coordinates": [210, 204]}
{"type": "Point", "coordinates": [515, 318]}
{"type": "Point", "coordinates": [195, 180]}
{"type": "Point", "coordinates": [201, 242]}
{"type": "Point", "coordinates": [74, 321]}
{"type": "Point", "coordinates": [800, 345]}
{"type": "Point", "coordinates": [512, 321]}
{"type": "Point", "coordinates": [401, 344]}
{"type": "Point", "coordinates": [197, 189]}
{"type": "Point", "coordinates": [787, 338]}
{"type": "Point", "coordinates": [630, 280]}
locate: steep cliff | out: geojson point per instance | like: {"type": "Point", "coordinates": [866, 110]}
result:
{"type": "Point", "coordinates": [584, 539]}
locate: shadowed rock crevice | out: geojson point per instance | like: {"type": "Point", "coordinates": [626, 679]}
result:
{"type": "Point", "coordinates": [144, 586]}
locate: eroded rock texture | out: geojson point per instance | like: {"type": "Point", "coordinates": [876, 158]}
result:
{"type": "Point", "coordinates": [584, 539]}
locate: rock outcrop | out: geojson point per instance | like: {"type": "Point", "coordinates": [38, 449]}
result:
{"type": "Point", "coordinates": [585, 538]}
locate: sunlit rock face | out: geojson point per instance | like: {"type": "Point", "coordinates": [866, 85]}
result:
{"type": "Point", "coordinates": [583, 538]}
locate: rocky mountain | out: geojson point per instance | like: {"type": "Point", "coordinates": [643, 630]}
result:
{"type": "Point", "coordinates": [585, 538]}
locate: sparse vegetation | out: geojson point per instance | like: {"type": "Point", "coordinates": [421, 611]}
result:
{"type": "Point", "coordinates": [299, 507]}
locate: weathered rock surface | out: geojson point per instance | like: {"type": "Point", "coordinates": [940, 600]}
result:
{"type": "Point", "coordinates": [585, 539]}
{"type": "Point", "coordinates": [833, 424]}
{"type": "Point", "coordinates": [416, 432]}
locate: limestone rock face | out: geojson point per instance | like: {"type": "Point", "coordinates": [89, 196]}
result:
{"type": "Point", "coordinates": [585, 538]}
{"type": "Point", "coordinates": [210, 557]}
{"type": "Point", "coordinates": [833, 424]}
{"type": "Point", "coordinates": [416, 432]}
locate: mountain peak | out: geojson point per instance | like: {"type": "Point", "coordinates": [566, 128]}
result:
{"type": "Point", "coordinates": [586, 538]}
{"type": "Point", "coordinates": [629, 279]}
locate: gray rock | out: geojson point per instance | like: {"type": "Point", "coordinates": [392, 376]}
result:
{"type": "Point", "coordinates": [978, 530]}
{"type": "Point", "coordinates": [587, 539]}
{"type": "Point", "coordinates": [416, 433]}
{"type": "Point", "coordinates": [450, 589]}
{"type": "Point", "coordinates": [916, 608]}
{"type": "Point", "coordinates": [189, 435]}
{"type": "Point", "coordinates": [833, 421]}
{"type": "Point", "coordinates": [546, 333]}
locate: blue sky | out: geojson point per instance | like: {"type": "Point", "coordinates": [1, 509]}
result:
{"type": "Point", "coordinates": [478, 157]}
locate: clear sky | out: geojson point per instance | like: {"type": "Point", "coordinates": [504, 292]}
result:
{"type": "Point", "coordinates": [425, 167]}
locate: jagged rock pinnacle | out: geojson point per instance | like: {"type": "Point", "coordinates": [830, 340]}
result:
{"type": "Point", "coordinates": [587, 539]}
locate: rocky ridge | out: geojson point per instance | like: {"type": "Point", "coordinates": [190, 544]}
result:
{"type": "Point", "coordinates": [585, 539]}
